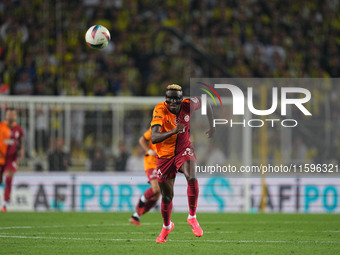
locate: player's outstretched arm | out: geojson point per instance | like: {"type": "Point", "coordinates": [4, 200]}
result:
{"type": "Point", "coordinates": [20, 148]}
{"type": "Point", "coordinates": [211, 131]}
{"type": "Point", "coordinates": [145, 145]}
{"type": "Point", "coordinates": [157, 136]}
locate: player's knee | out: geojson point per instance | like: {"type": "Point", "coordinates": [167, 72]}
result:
{"type": "Point", "coordinates": [156, 190]}
{"type": "Point", "coordinates": [9, 173]}
{"type": "Point", "coordinates": [156, 196]}
{"type": "Point", "coordinates": [191, 178]}
{"type": "Point", "coordinates": [167, 198]}
{"type": "Point", "coordinates": [190, 175]}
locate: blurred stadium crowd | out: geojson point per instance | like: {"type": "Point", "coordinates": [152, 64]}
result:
{"type": "Point", "coordinates": [42, 49]}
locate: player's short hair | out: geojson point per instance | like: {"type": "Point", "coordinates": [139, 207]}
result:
{"type": "Point", "coordinates": [10, 109]}
{"type": "Point", "coordinates": [174, 87]}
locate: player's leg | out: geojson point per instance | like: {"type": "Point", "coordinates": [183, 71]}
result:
{"type": "Point", "coordinates": [167, 191]}
{"type": "Point", "coordinates": [188, 169]}
{"type": "Point", "coordinates": [146, 202]}
{"type": "Point", "coordinates": [152, 200]}
{"type": "Point", "coordinates": [148, 199]}
{"type": "Point", "coordinates": [8, 188]}
{"type": "Point", "coordinates": [140, 207]}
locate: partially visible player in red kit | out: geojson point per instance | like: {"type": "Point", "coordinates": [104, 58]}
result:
{"type": "Point", "coordinates": [152, 194]}
{"type": "Point", "coordinates": [170, 132]}
{"type": "Point", "coordinates": [11, 147]}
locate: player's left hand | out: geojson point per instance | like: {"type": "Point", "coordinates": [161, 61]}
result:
{"type": "Point", "coordinates": [211, 132]}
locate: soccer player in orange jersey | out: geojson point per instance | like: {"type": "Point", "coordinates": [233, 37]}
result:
{"type": "Point", "coordinates": [11, 146]}
{"type": "Point", "coordinates": [170, 132]}
{"type": "Point", "coordinates": [152, 194]}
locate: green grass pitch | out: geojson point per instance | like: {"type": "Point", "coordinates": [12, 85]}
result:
{"type": "Point", "coordinates": [111, 233]}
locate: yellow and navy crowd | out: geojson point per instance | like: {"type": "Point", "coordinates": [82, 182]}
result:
{"type": "Point", "coordinates": [42, 48]}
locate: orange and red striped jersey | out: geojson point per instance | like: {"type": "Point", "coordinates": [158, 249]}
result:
{"type": "Point", "coordinates": [168, 121]}
{"type": "Point", "coordinates": [9, 139]}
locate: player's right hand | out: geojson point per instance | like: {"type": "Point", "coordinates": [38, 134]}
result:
{"type": "Point", "coordinates": [179, 128]}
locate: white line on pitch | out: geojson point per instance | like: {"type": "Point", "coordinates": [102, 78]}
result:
{"type": "Point", "coordinates": [87, 233]}
{"type": "Point", "coordinates": [159, 223]}
{"type": "Point", "coordinates": [72, 226]}
{"type": "Point", "coordinates": [17, 227]}
{"type": "Point", "coordinates": [185, 232]}
{"type": "Point", "coordinates": [182, 241]}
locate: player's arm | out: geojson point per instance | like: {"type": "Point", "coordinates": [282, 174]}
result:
{"type": "Point", "coordinates": [145, 145]}
{"type": "Point", "coordinates": [157, 136]}
{"type": "Point", "coordinates": [20, 148]}
{"type": "Point", "coordinates": [2, 144]}
{"type": "Point", "coordinates": [211, 131]}
{"type": "Point", "coordinates": [195, 104]}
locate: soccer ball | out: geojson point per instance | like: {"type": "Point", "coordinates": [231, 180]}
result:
{"type": "Point", "coordinates": [97, 37]}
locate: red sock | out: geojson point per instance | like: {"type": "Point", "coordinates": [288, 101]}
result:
{"type": "Point", "coordinates": [149, 193]}
{"type": "Point", "coordinates": [192, 193]}
{"type": "Point", "coordinates": [8, 188]}
{"type": "Point", "coordinates": [148, 205]}
{"type": "Point", "coordinates": [166, 212]}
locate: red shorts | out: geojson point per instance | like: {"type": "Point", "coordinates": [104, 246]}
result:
{"type": "Point", "coordinates": [10, 165]}
{"type": "Point", "coordinates": [168, 167]}
{"type": "Point", "coordinates": [151, 173]}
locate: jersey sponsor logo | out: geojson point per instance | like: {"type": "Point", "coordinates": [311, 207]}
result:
{"type": "Point", "coordinates": [160, 174]}
{"type": "Point", "coordinates": [186, 118]}
{"type": "Point", "coordinates": [156, 116]}
{"type": "Point", "coordinates": [154, 173]}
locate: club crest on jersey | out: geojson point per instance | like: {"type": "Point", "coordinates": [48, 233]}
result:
{"type": "Point", "coordinates": [186, 118]}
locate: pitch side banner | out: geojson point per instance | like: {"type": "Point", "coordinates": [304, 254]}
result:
{"type": "Point", "coordinates": [21, 200]}
{"type": "Point", "coordinates": [111, 192]}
